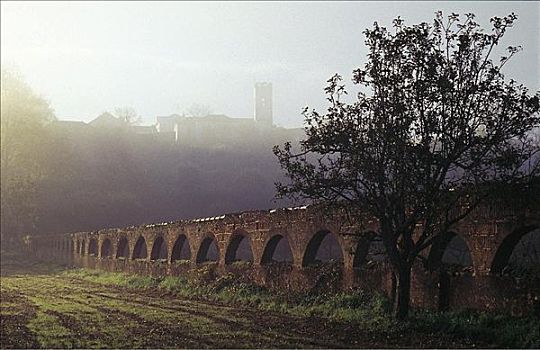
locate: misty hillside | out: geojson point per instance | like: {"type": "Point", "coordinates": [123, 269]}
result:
{"type": "Point", "coordinates": [102, 177]}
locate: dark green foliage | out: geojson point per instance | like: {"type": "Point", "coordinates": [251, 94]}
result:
{"type": "Point", "coordinates": [504, 330]}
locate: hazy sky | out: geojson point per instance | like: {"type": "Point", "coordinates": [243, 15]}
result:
{"type": "Point", "coordinates": [160, 58]}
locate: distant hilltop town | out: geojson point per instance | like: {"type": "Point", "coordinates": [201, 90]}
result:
{"type": "Point", "coordinates": [214, 130]}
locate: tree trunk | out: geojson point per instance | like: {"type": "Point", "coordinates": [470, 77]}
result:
{"type": "Point", "coordinates": [403, 292]}
{"type": "Point", "coordinates": [393, 293]}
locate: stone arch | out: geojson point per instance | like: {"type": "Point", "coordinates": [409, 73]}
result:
{"type": "Point", "coordinates": [159, 249]}
{"type": "Point", "coordinates": [370, 249]}
{"type": "Point", "coordinates": [106, 248]}
{"type": "Point", "coordinates": [83, 247]}
{"type": "Point", "coordinates": [507, 247]}
{"type": "Point", "coordinates": [239, 248]}
{"type": "Point", "coordinates": [450, 249]}
{"type": "Point", "coordinates": [93, 247]}
{"type": "Point", "coordinates": [332, 248]}
{"type": "Point", "coordinates": [208, 250]}
{"type": "Point", "coordinates": [277, 249]}
{"type": "Point", "coordinates": [181, 249]}
{"type": "Point", "coordinates": [140, 250]}
{"type": "Point", "coordinates": [449, 254]}
{"type": "Point", "coordinates": [122, 248]}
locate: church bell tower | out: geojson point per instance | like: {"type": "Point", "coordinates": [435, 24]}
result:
{"type": "Point", "coordinates": [263, 103]}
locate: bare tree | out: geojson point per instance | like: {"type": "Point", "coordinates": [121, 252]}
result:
{"type": "Point", "coordinates": [434, 124]}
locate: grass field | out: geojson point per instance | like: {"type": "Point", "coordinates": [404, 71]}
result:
{"type": "Point", "coordinates": [44, 306]}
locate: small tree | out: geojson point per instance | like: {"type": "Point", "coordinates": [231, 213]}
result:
{"type": "Point", "coordinates": [434, 123]}
{"type": "Point", "coordinates": [198, 110]}
{"type": "Point", "coordinates": [128, 115]}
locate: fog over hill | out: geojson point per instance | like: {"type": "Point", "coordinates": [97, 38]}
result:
{"type": "Point", "coordinates": [68, 175]}
{"type": "Point", "coordinates": [107, 176]}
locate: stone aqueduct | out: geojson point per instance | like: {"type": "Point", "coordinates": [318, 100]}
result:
{"type": "Point", "coordinates": [491, 233]}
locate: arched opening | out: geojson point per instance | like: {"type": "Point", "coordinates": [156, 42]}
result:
{"type": "Point", "coordinates": [181, 249]}
{"type": "Point", "coordinates": [159, 249]}
{"type": "Point", "coordinates": [239, 249]}
{"type": "Point", "coordinates": [457, 254]}
{"type": "Point", "coordinates": [519, 253]}
{"type": "Point", "coordinates": [106, 248]}
{"type": "Point", "coordinates": [78, 247]}
{"type": "Point", "coordinates": [208, 251]}
{"type": "Point", "coordinates": [370, 250]}
{"type": "Point", "coordinates": [323, 247]}
{"type": "Point", "coordinates": [122, 250]}
{"type": "Point", "coordinates": [140, 250]}
{"type": "Point", "coordinates": [450, 255]}
{"type": "Point", "coordinates": [92, 247]}
{"type": "Point", "coordinates": [83, 247]}
{"type": "Point", "coordinates": [277, 250]}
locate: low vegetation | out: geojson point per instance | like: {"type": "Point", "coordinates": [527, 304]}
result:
{"type": "Point", "coordinates": [369, 311]}
{"type": "Point", "coordinates": [43, 306]}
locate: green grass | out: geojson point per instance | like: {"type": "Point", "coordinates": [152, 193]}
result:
{"type": "Point", "coordinates": [507, 331]}
{"type": "Point", "coordinates": [369, 311]}
{"type": "Point", "coordinates": [49, 331]}
{"type": "Point", "coordinates": [72, 312]}
{"type": "Point", "coordinates": [82, 308]}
